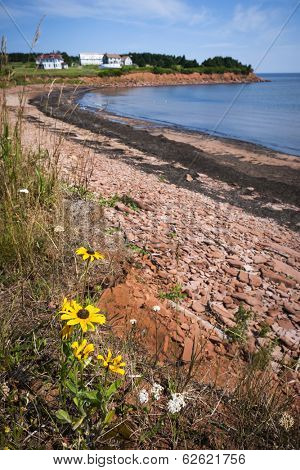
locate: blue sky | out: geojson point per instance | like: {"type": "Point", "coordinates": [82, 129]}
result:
{"type": "Point", "coordinates": [200, 29]}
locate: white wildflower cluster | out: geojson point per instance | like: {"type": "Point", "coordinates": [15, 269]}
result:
{"type": "Point", "coordinates": [156, 391]}
{"type": "Point", "coordinates": [176, 403]}
{"type": "Point", "coordinates": [143, 396]}
{"type": "Point", "coordinates": [133, 321]}
{"type": "Point", "coordinates": [286, 421]}
{"type": "Point", "coordinates": [59, 229]}
{"type": "Point", "coordinates": [23, 191]}
{"type": "Point", "coordinates": [156, 308]}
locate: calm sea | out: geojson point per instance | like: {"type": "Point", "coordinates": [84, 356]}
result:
{"type": "Point", "coordinates": [264, 113]}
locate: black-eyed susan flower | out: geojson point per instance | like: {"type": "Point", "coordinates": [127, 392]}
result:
{"type": "Point", "coordinates": [83, 350]}
{"type": "Point", "coordinates": [76, 314]}
{"type": "Point", "coordinates": [113, 364]}
{"type": "Point", "coordinates": [89, 255]}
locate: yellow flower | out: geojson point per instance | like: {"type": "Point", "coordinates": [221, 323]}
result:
{"type": "Point", "coordinates": [90, 255]}
{"type": "Point", "coordinates": [115, 365]}
{"type": "Point", "coordinates": [67, 331]}
{"type": "Point", "coordinates": [76, 314]}
{"type": "Point", "coordinates": [83, 350]}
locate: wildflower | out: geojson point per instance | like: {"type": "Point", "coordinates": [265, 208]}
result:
{"type": "Point", "coordinates": [76, 314]}
{"type": "Point", "coordinates": [286, 421]}
{"type": "Point", "coordinates": [59, 229]}
{"type": "Point", "coordinates": [82, 351]}
{"type": "Point", "coordinates": [113, 364]}
{"type": "Point", "coordinates": [90, 255]}
{"type": "Point", "coordinates": [143, 396]}
{"type": "Point", "coordinates": [156, 390]}
{"type": "Point", "coordinates": [7, 429]}
{"type": "Point", "coordinates": [24, 191]}
{"type": "Point", "coordinates": [133, 321]}
{"type": "Point", "coordinates": [156, 308]}
{"type": "Point", "coordinates": [67, 331]}
{"type": "Point", "coordinates": [176, 403]}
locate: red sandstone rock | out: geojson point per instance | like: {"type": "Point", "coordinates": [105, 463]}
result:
{"type": "Point", "coordinates": [198, 307]}
{"type": "Point", "coordinates": [231, 271]}
{"type": "Point", "coordinates": [253, 301]}
{"type": "Point", "coordinates": [267, 273]}
{"type": "Point", "coordinates": [284, 268]}
{"type": "Point", "coordinates": [243, 277]}
{"type": "Point", "coordinates": [254, 280]}
{"type": "Point", "coordinates": [235, 263]}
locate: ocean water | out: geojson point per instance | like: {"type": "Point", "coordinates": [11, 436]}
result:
{"type": "Point", "coordinates": [264, 113]}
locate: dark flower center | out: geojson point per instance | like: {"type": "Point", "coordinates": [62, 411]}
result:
{"type": "Point", "coordinates": [83, 314]}
{"type": "Point", "coordinates": [90, 252]}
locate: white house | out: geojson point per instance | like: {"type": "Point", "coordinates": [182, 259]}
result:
{"type": "Point", "coordinates": [111, 61]}
{"type": "Point", "coordinates": [91, 58]}
{"type": "Point", "coordinates": [126, 60]}
{"type": "Point", "coordinates": [115, 61]}
{"type": "Point", "coordinates": [51, 61]}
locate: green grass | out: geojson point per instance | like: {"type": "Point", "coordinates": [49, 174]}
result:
{"type": "Point", "coordinates": [115, 198]}
{"type": "Point", "coordinates": [22, 73]}
{"type": "Point", "coordinates": [238, 333]}
{"type": "Point", "coordinates": [175, 294]}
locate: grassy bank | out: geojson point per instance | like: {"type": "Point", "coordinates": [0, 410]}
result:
{"type": "Point", "coordinates": [58, 392]}
{"type": "Point", "coordinates": [20, 74]}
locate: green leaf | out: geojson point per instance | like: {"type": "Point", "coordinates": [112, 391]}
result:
{"type": "Point", "coordinates": [78, 422]}
{"type": "Point", "coordinates": [109, 417]}
{"type": "Point", "coordinates": [113, 388]}
{"type": "Point", "coordinates": [91, 396]}
{"type": "Point", "coordinates": [64, 416]}
{"type": "Point", "coordinates": [71, 386]}
{"type": "Point", "coordinates": [76, 401]}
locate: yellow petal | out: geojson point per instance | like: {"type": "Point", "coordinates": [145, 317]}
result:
{"type": "Point", "coordinates": [76, 306]}
{"type": "Point", "coordinates": [74, 321]}
{"type": "Point", "coordinates": [81, 251]}
{"type": "Point", "coordinates": [92, 310]}
{"type": "Point", "coordinates": [82, 346]}
{"type": "Point", "coordinates": [89, 348]}
{"type": "Point", "coordinates": [67, 316]}
{"type": "Point", "coordinates": [83, 325]}
{"type": "Point", "coordinates": [98, 319]}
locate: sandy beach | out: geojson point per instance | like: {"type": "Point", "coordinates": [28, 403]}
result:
{"type": "Point", "coordinates": [259, 180]}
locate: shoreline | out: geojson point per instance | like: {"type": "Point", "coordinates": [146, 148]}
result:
{"type": "Point", "coordinates": [210, 236]}
{"type": "Point", "coordinates": [146, 124]}
{"type": "Point", "coordinates": [259, 180]}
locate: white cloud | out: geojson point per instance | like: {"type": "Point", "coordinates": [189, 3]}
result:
{"type": "Point", "coordinates": [174, 11]}
{"type": "Point", "coordinates": [249, 19]}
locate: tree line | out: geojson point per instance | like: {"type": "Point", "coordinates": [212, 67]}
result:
{"type": "Point", "coordinates": [216, 64]}
{"type": "Point", "coordinates": [31, 57]}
